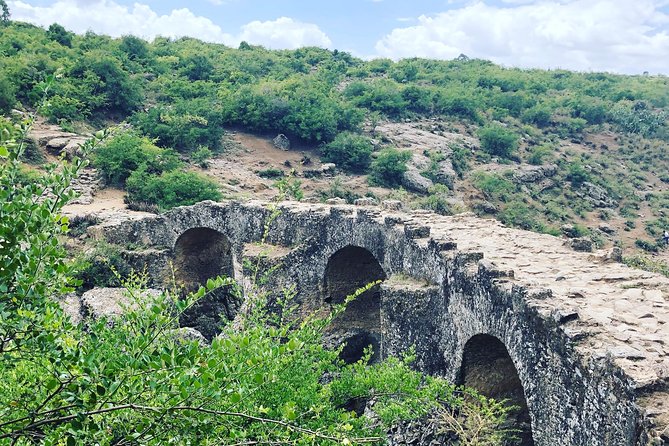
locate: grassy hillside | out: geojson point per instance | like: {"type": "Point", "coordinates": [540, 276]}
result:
{"type": "Point", "coordinates": [601, 138]}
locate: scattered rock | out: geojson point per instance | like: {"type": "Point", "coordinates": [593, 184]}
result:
{"type": "Point", "coordinates": [569, 231]}
{"type": "Point", "coordinates": [391, 205]}
{"type": "Point", "coordinates": [365, 201]}
{"type": "Point", "coordinates": [581, 244]}
{"type": "Point", "coordinates": [485, 207]}
{"type": "Point", "coordinates": [109, 302]}
{"type": "Point", "coordinates": [335, 201]}
{"type": "Point", "coordinates": [596, 196]}
{"type": "Point", "coordinates": [413, 180]}
{"type": "Point", "coordinates": [328, 168]}
{"type": "Point", "coordinates": [606, 228]}
{"type": "Point", "coordinates": [534, 174]}
{"type": "Point", "coordinates": [281, 141]}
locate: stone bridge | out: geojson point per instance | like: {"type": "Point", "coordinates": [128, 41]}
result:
{"type": "Point", "coordinates": [579, 342]}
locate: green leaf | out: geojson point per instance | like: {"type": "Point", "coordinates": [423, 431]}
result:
{"type": "Point", "coordinates": [4, 152]}
{"type": "Point", "coordinates": [235, 397]}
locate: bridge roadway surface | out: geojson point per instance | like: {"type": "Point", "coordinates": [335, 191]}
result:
{"type": "Point", "coordinates": [622, 312]}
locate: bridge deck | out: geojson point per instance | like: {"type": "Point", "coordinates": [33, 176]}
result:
{"type": "Point", "coordinates": [622, 312]}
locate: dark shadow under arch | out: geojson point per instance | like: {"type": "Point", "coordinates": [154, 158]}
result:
{"type": "Point", "coordinates": [488, 368]}
{"type": "Point", "coordinates": [201, 254]}
{"type": "Point", "coordinates": [348, 269]}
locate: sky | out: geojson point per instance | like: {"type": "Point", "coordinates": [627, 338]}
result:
{"type": "Point", "coordinates": [620, 36]}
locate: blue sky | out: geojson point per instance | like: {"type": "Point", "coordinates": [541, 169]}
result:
{"type": "Point", "coordinates": [629, 36]}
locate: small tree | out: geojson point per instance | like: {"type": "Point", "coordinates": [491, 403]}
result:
{"type": "Point", "coordinates": [4, 15]}
{"type": "Point", "coordinates": [349, 151]}
{"type": "Point", "coordinates": [498, 141]}
{"type": "Point", "coordinates": [59, 34]}
{"type": "Point", "coordinates": [388, 167]}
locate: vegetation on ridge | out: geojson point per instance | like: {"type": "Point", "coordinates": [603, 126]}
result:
{"type": "Point", "coordinates": [605, 134]}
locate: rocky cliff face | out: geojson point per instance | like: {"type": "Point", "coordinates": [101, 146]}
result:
{"type": "Point", "coordinates": [578, 342]}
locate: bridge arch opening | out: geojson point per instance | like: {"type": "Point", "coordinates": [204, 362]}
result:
{"type": "Point", "coordinates": [201, 254]}
{"type": "Point", "coordinates": [347, 270]}
{"type": "Point", "coordinates": [488, 368]}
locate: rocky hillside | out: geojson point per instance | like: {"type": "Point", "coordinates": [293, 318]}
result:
{"type": "Point", "coordinates": [580, 155]}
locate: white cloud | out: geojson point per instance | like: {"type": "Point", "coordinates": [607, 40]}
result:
{"type": "Point", "coordinates": [284, 32]}
{"type": "Point", "coordinates": [111, 18]}
{"type": "Point", "coordinates": [608, 35]}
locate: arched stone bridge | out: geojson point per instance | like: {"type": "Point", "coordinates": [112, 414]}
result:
{"type": "Point", "coordinates": [578, 341]}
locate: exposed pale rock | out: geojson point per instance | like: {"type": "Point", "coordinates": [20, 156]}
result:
{"type": "Point", "coordinates": [414, 181]}
{"type": "Point", "coordinates": [281, 141]}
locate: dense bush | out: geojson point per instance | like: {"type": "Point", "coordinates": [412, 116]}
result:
{"type": "Point", "coordinates": [7, 95]}
{"type": "Point", "coordinates": [495, 186]}
{"type": "Point", "coordinates": [540, 154]}
{"type": "Point", "coordinates": [498, 141]}
{"type": "Point", "coordinates": [388, 167]}
{"type": "Point", "coordinates": [126, 152]}
{"type": "Point", "coordinates": [349, 151]}
{"type": "Point", "coordinates": [170, 189]}
{"type": "Point", "coordinates": [184, 126]}
{"type": "Point", "coordinates": [577, 174]}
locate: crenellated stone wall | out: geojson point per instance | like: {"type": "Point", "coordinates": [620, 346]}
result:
{"type": "Point", "coordinates": [589, 339]}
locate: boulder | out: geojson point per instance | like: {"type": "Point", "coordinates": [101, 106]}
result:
{"type": "Point", "coordinates": [391, 205]}
{"type": "Point", "coordinates": [110, 302]}
{"type": "Point", "coordinates": [534, 174]}
{"type": "Point", "coordinates": [597, 196]}
{"type": "Point", "coordinates": [281, 141]}
{"type": "Point", "coordinates": [445, 173]}
{"type": "Point", "coordinates": [414, 181]}
{"type": "Point", "coordinates": [365, 201]}
{"type": "Point", "coordinates": [581, 244]}
{"type": "Point", "coordinates": [606, 228]}
{"type": "Point", "coordinates": [328, 168]}
{"type": "Point", "coordinates": [486, 207]}
{"type": "Point", "coordinates": [569, 231]}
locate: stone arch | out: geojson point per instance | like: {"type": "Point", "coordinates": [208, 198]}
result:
{"type": "Point", "coordinates": [488, 368]}
{"type": "Point", "coordinates": [201, 254]}
{"type": "Point", "coordinates": [348, 269]}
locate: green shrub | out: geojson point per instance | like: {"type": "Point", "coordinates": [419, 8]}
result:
{"type": "Point", "coordinates": [170, 189]}
{"type": "Point", "coordinates": [539, 154]}
{"type": "Point", "coordinates": [494, 186]}
{"type": "Point", "coordinates": [185, 126]}
{"type": "Point", "coordinates": [437, 201]}
{"type": "Point", "coordinates": [349, 151]}
{"type": "Point", "coordinates": [272, 172]}
{"type": "Point", "coordinates": [498, 141]}
{"type": "Point", "coordinates": [388, 167]}
{"type": "Point", "coordinates": [201, 156]}
{"type": "Point", "coordinates": [539, 115]}
{"type": "Point", "coordinates": [648, 264]}
{"type": "Point", "coordinates": [126, 152]}
{"type": "Point", "coordinates": [646, 245]}
{"type": "Point", "coordinates": [520, 215]}
{"type": "Point", "coordinates": [7, 95]}
{"type": "Point", "coordinates": [460, 160]}
{"type": "Point", "coordinates": [577, 174]}
{"type": "Point", "coordinates": [101, 267]}
{"type": "Point", "coordinates": [65, 108]}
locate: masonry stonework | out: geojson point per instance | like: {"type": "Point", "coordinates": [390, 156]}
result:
{"type": "Point", "coordinates": [588, 339]}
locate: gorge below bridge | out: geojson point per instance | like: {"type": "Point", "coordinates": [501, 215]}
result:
{"type": "Point", "coordinates": [580, 343]}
